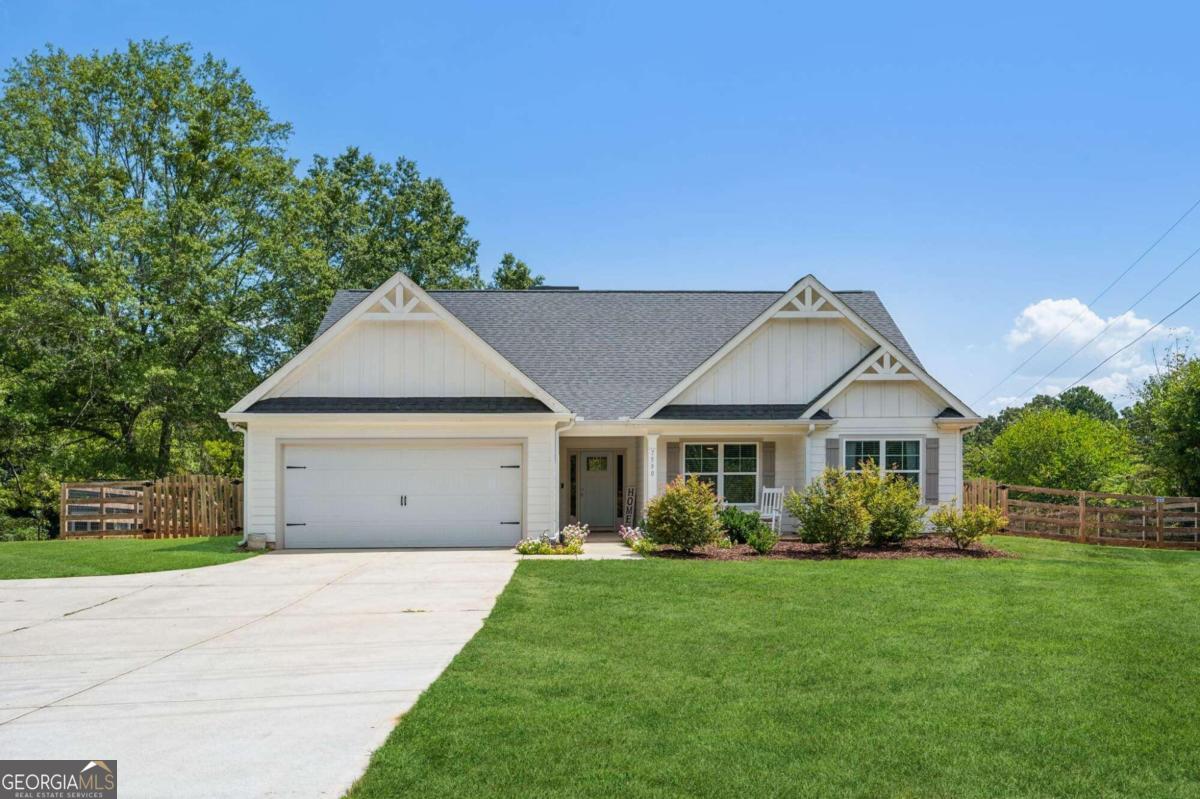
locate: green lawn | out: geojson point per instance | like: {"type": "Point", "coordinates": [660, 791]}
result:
{"type": "Point", "coordinates": [1069, 671]}
{"type": "Point", "coordinates": [74, 558]}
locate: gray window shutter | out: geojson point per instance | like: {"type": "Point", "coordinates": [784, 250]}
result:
{"type": "Point", "coordinates": [833, 453]}
{"type": "Point", "coordinates": [672, 461]}
{"type": "Point", "coordinates": [768, 464]}
{"type": "Point", "coordinates": [931, 470]}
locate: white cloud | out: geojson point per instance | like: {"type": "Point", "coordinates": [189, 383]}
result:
{"type": "Point", "coordinates": [1041, 321]}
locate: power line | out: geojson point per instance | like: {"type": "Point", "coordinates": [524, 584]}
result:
{"type": "Point", "coordinates": [1147, 332]}
{"type": "Point", "coordinates": [1095, 299]}
{"type": "Point", "coordinates": [1104, 329]}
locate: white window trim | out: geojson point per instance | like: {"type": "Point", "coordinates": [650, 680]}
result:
{"type": "Point", "coordinates": [883, 442]}
{"type": "Point", "coordinates": [720, 445]}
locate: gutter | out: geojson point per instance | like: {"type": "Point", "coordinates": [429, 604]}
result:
{"type": "Point", "coordinates": [238, 427]}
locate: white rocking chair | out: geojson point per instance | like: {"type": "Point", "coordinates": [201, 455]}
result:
{"type": "Point", "coordinates": [770, 508]}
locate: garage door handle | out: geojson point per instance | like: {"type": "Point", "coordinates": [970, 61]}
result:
{"type": "Point", "coordinates": [295, 467]}
{"type": "Point", "coordinates": [510, 522]}
{"type": "Point", "coordinates": [517, 466]}
{"type": "Point", "coordinates": [296, 524]}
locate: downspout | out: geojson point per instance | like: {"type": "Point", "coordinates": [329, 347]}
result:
{"type": "Point", "coordinates": [558, 431]}
{"type": "Point", "coordinates": [240, 427]}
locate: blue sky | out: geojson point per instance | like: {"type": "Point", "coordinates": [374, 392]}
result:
{"type": "Point", "coordinates": [979, 169]}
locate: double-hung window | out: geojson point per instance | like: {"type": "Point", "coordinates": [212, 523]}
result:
{"type": "Point", "coordinates": [731, 469]}
{"type": "Point", "coordinates": [901, 457]}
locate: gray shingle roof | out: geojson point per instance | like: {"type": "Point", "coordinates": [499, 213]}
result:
{"type": "Point", "coordinates": [609, 354]}
{"type": "Point", "coordinates": [737, 412]}
{"type": "Point", "coordinates": [399, 405]}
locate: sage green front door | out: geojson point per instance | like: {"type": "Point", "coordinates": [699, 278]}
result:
{"type": "Point", "coordinates": [598, 489]}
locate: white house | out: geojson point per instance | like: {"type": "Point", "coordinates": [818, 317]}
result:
{"type": "Point", "coordinates": [474, 418]}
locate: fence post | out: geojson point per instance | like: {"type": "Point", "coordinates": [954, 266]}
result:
{"type": "Point", "coordinates": [1002, 491]}
{"type": "Point", "coordinates": [1083, 517]}
{"type": "Point", "coordinates": [1158, 518]}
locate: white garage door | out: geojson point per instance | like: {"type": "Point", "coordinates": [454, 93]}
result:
{"type": "Point", "coordinates": [402, 495]}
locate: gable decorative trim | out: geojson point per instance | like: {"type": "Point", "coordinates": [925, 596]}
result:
{"type": "Point", "coordinates": [809, 296]}
{"type": "Point", "coordinates": [808, 304]}
{"type": "Point", "coordinates": [400, 299]}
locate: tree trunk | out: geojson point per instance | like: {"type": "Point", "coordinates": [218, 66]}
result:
{"type": "Point", "coordinates": [163, 462]}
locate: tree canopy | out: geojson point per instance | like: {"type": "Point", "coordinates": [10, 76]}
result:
{"type": "Point", "coordinates": [514, 274]}
{"type": "Point", "coordinates": [1165, 422]}
{"type": "Point", "coordinates": [1053, 448]}
{"type": "Point", "coordinates": [159, 253]}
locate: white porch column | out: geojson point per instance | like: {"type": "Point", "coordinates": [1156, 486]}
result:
{"type": "Point", "coordinates": [649, 467]}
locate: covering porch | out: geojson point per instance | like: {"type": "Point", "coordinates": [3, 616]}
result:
{"type": "Point", "coordinates": [599, 473]}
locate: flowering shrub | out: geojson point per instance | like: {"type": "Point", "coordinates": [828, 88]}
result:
{"type": "Point", "coordinates": [630, 535]}
{"type": "Point", "coordinates": [535, 546]}
{"type": "Point", "coordinates": [569, 541]}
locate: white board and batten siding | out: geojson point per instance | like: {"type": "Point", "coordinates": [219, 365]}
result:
{"type": "Point", "coordinates": [268, 440]}
{"type": "Point", "coordinates": [876, 399]}
{"type": "Point", "coordinates": [785, 361]}
{"type": "Point", "coordinates": [386, 359]}
{"type": "Point", "coordinates": [949, 448]}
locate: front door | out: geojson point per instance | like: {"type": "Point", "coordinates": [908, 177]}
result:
{"type": "Point", "coordinates": [598, 489]}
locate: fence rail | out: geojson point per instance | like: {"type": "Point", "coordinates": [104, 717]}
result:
{"type": "Point", "coordinates": [171, 507]}
{"type": "Point", "coordinates": [1091, 516]}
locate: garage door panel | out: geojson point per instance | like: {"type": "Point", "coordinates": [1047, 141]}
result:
{"type": "Point", "coordinates": [455, 494]}
{"type": "Point", "coordinates": [387, 486]}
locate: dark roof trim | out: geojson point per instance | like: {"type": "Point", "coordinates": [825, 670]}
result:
{"type": "Point", "coordinates": [732, 412]}
{"type": "Point", "coordinates": [399, 405]}
{"type": "Point", "coordinates": [949, 413]}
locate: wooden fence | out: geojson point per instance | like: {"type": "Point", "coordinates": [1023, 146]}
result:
{"type": "Point", "coordinates": [175, 506]}
{"type": "Point", "coordinates": [1091, 516]}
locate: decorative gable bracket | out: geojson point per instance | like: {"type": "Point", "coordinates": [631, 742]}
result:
{"type": "Point", "coordinates": [886, 367]}
{"type": "Point", "coordinates": [395, 305]}
{"type": "Point", "coordinates": [808, 304]}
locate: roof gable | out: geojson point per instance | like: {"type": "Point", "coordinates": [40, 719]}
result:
{"type": "Point", "coordinates": [607, 355]}
{"type": "Point", "coordinates": [397, 300]}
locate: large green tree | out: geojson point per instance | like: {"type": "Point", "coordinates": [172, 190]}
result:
{"type": "Point", "coordinates": [352, 222]}
{"type": "Point", "coordinates": [159, 254]}
{"type": "Point", "coordinates": [1165, 420]}
{"type": "Point", "coordinates": [1080, 400]}
{"type": "Point", "coordinates": [1052, 448]}
{"type": "Point", "coordinates": [136, 191]}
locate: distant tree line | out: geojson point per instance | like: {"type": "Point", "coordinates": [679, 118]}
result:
{"type": "Point", "coordinates": [160, 253]}
{"type": "Point", "coordinates": [1077, 440]}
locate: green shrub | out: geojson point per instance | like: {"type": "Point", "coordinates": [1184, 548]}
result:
{"type": "Point", "coordinates": [831, 511]}
{"type": "Point", "coordinates": [894, 505]}
{"type": "Point", "coordinates": [762, 539]}
{"type": "Point", "coordinates": [739, 524]}
{"type": "Point", "coordinates": [684, 515]}
{"type": "Point", "coordinates": [14, 528]}
{"type": "Point", "coordinates": [967, 525]}
{"type": "Point", "coordinates": [643, 546]}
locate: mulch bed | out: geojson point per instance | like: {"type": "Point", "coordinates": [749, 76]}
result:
{"type": "Point", "coordinates": [790, 549]}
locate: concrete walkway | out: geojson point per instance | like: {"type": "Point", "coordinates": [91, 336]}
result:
{"type": "Point", "coordinates": [275, 676]}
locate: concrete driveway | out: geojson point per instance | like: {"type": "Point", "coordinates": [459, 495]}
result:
{"type": "Point", "coordinates": [274, 676]}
